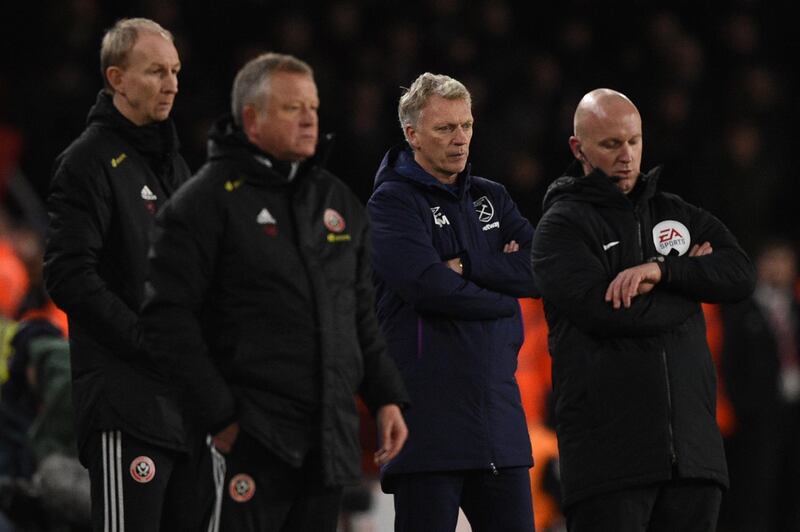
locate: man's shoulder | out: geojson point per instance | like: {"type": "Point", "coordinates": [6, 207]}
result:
{"type": "Point", "coordinates": [100, 149]}
{"type": "Point", "coordinates": [669, 203]}
{"type": "Point", "coordinates": [212, 178]}
{"type": "Point", "coordinates": [94, 142]}
{"type": "Point", "coordinates": [484, 183]}
{"type": "Point", "coordinates": [570, 209]}
{"type": "Point", "coordinates": [91, 155]}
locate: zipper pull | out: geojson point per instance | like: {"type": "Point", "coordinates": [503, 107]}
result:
{"type": "Point", "coordinates": [495, 472]}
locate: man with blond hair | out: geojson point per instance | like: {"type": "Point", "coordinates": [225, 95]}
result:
{"type": "Point", "coordinates": [107, 186]}
{"type": "Point", "coordinates": [451, 256]}
{"type": "Point", "coordinates": [623, 269]}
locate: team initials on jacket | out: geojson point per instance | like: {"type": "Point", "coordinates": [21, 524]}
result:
{"type": "Point", "coordinates": [439, 218]}
{"type": "Point", "coordinates": [669, 235]}
{"type": "Point", "coordinates": [485, 212]}
{"type": "Point", "coordinates": [268, 221]}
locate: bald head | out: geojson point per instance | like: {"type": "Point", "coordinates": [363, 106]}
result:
{"type": "Point", "coordinates": [608, 136]}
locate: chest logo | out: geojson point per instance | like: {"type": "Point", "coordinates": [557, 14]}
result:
{"type": "Point", "coordinates": [268, 221]}
{"type": "Point", "coordinates": [147, 194]}
{"type": "Point", "coordinates": [149, 199]}
{"type": "Point", "coordinates": [143, 469]}
{"type": "Point", "coordinates": [333, 221]}
{"type": "Point", "coordinates": [242, 487]}
{"type": "Point", "coordinates": [439, 218]}
{"type": "Point", "coordinates": [116, 161]}
{"type": "Point", "coordinates": [671, 235]}
{"type": "Point", "coordinates": [484, 209]}
{"type": "Point", "coordinates": [265, 217]}
{"type": "Point", "coordinates": [610, 245]}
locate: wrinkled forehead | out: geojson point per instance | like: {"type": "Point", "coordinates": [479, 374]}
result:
{"type": "Point", "coordinates": [440, 109]}
{"type": "Point", "coordinates": [153, 47]}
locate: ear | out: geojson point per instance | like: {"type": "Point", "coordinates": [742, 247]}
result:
{"type": "Point", "coordinates": [411, 135]}
{"type": "Point", "coordinates": [115, 75]}
{"type": "Point", "coordinates": [249, 120]}
{"type": "Point", "coordinates": [575, 147]}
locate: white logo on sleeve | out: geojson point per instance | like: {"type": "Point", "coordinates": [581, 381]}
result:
{"type": "Point", "coordinates": [610, 245]}
{"type": "Point", "coordinates": [439, 218]}
{"type": "Point", "coordinates": [669, 235]}
{"type": "Point", "coordinates": [147, 194]}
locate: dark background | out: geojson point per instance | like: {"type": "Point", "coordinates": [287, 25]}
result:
{"type": "Point", "coordinates": [716, 84]}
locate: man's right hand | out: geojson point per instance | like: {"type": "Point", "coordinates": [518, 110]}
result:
{"type": "Point", "coordinates": [224, 439]}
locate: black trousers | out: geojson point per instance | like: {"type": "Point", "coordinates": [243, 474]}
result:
{"type": "Point", "coordinates": [262, 493]}
{"type": "Point", "coordinates": [140, 487]}
{"type": "Point", "coordinates": [685, 505]}
{"type": "Point", "coordinates": [491, 502]}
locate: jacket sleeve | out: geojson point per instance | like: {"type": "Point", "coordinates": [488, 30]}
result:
{"type": "Point", "coordinates": [382, 383]}
{"type": "Point", "coordinates": [574, 281]}
{"type": "Point", "coordinates": [182, 260]}
{"type": "Point", "coordinates": [80, 207]}
{"type": "Point", "coordinates": [404, 257]}
{"type": "Point", "coordinates": [507, 273]}
{"type": "Point", "coordinates": [724, 276]}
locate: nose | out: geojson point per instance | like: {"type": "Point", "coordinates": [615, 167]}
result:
{"type": "Point", "coordinates": [309, 116]}
{"type": "Point", "coordinates": [626, 155]}
{"type": "Point", "coordinates": [461, 137]}
{"type": "Point", "coordinates": [171, 83]}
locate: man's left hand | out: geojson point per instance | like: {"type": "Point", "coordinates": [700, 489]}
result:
{"type": "Point", "coordinates": [392, 431]}
{"type": "Point", "coordinates": [631, 283]}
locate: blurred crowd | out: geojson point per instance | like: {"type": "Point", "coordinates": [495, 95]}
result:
{"type": "Point", "coordinates": [716, 86]}
{"type": "Point", "coordinates": [716, 89]}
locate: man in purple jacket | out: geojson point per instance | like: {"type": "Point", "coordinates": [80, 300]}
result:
{"type": "Point", "coordinates": [450, 258]}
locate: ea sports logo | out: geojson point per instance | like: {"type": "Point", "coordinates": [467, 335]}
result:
{"type": "Point", "coordinates": [242, 488]}
{"type": "Point", "coordinates": [669, 235]}
{"type": "Point", "coordinates": [143, 469]}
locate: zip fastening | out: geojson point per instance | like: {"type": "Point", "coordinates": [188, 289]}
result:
{"type": "Point", "coordinates": [638, 233]}
{"type": "Point", "coordinates": [672, 454]}
{"type": "Point", "coordinates": [495, 472]}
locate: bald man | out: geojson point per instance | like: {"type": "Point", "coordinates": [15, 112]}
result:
{"type": "Point", "coordinates": [623, 268]}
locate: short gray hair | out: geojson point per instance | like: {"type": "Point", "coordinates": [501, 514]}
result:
{"type": "Point", "coordinates": [252, 80]}
{"type": "Point", "coordinates": [416, 97]}
{"type": "Point", "coordinates": [120, 40]}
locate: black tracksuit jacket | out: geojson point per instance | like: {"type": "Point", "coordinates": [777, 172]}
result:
{"type": "Point", "coordinates": [261, 296]}
{"type": "Point", "coordinates": [635, 388]}
{"type": "Point", "coordinates": [103, 198]}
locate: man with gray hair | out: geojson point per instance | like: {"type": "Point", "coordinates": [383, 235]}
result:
{"type": "Point", "coordinates": [451, 257]}
{"type": "Point", "coordinates": [105, 192]}
{"type": "Point", "coordinates": [260, 292]}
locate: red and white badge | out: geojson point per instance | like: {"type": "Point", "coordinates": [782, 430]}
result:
{"type": "Point", "coordinates": [669, 235]}
{"type": "Point", "coordinates": [143, 469]}
{"type": "Point", "coordinates": [333, 221]}
{"type": "Point", "coordinates": [242, 487]}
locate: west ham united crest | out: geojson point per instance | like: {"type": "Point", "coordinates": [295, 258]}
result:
{"type": "Point", "coordinates": [333, 221]}
{"type": "Point", "coordinates": [242, 487]}
{"type": "Point", "coordinates": [143, 469]}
